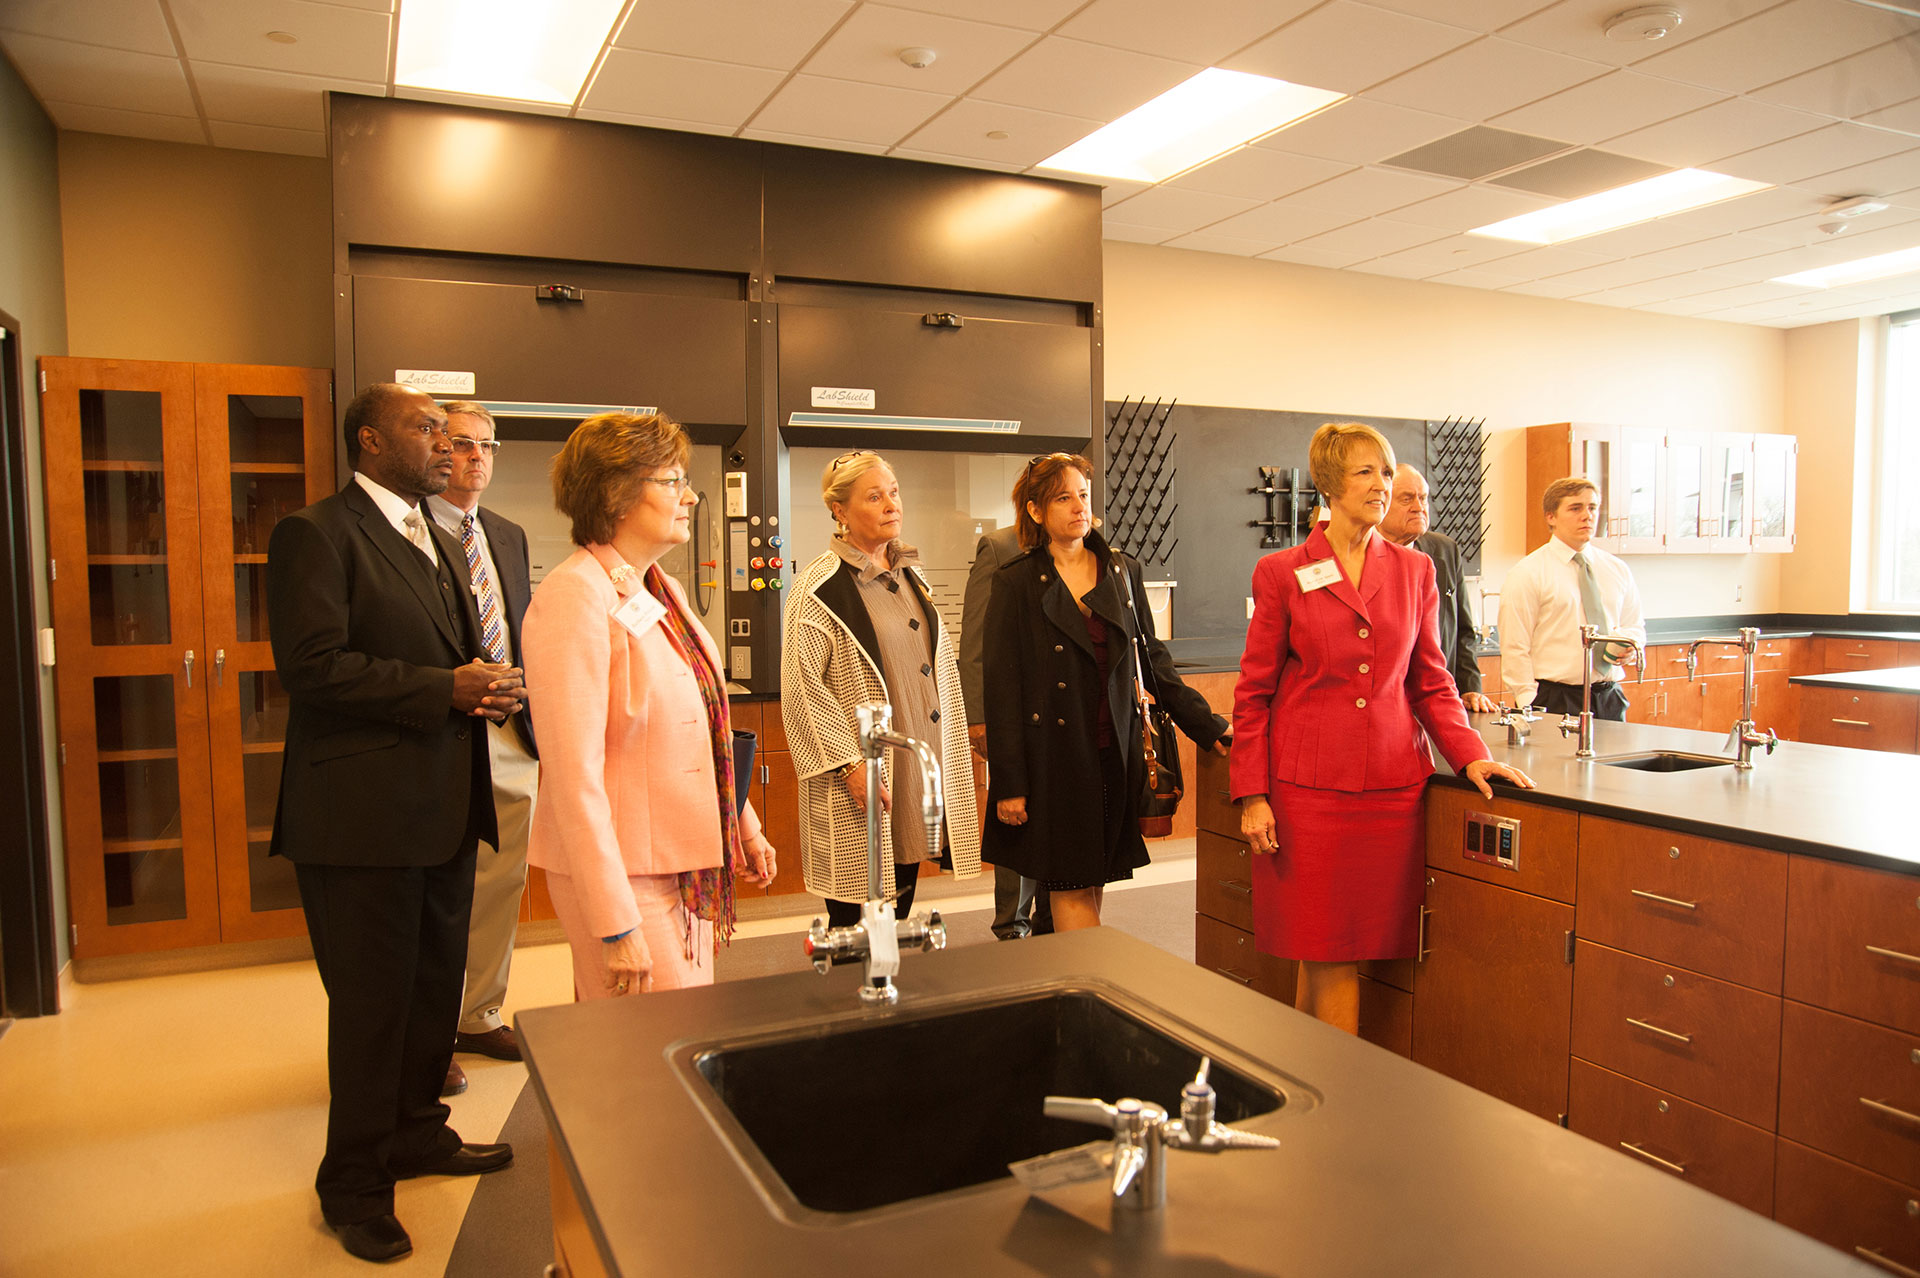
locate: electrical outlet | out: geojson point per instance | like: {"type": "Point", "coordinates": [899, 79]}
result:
{"type": "Point", "coordinates": [1736, 594]}
{"type": "Point", "coordinates": [739, 627]}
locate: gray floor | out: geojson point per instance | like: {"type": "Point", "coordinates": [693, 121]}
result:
{"type": "Point", "coordinates": [508, 1231]}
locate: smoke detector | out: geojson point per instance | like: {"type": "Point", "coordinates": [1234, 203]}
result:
{"type": "Point", "coordinates": [1632, 25]}
{"type": "Point", "coordinates": [917, 58]}
{"type": "Point", "coordinates": [1854, 206]}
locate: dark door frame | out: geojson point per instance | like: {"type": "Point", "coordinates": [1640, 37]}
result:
{"type": "Point", "coordinates": [29, 970]}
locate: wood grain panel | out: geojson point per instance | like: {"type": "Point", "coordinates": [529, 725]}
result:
{"type": "Point", "coordinates": [1719, 1154]}
{"type": "Point", "coordinates": [1386, 1017]}
{"type": "Point", "coordinates": [1223, 880]}
{"type": "Point", "coordinates": [1859, 719]}
{"type": "Point", "coordinates": [1213, 809]}
{"type": "Point", "coordinates": [1845, 1207]}
{"type": "Point", "coordinates": [1231, 952]}
{"type": "Point", "coordinates": [1834, 914]}
{"type": "Point", "coordinates": [1830, 1067]}
{"type": "Point", "coordinates": [1858, 654]}
{"type": "Point", "coordinates": [1549, 842]}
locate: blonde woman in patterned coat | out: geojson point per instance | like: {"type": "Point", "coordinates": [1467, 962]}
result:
{"type": "Point", "coordinates": [861, 627]}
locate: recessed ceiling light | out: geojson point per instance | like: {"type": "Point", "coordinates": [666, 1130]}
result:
{"type": "Point", "coordinates": [1661, 196]}
{"type": "Point", "coordinates": [1899, 262]}
{"type": "Point", "coordinates": [1196, 121]}
{"type": "Point", "coordinates": [1652, 23]}
{"type": "Point", "coordinates": [502, 48]}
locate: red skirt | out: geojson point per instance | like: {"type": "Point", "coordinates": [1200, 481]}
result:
{"type": "Point", "coordinates": [1348, 878]}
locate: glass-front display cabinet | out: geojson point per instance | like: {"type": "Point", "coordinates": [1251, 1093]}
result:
{"type": "Point", "coordinates": [163, 483]}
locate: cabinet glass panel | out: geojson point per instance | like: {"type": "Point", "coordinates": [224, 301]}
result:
{"type": "Point", "coordinates": [124, 491]}
{"type": "Point", "coordinates": [1728, 497]}
{"type": "Point", "coordinates": [139, 775]}
{"type": "Point", "coordinates": [1643, 482]}
{"type": "Point", "coordinates": [1593, 458]}
{"type": "Point", "coordinates": [1770, 487]}
{"type": "Point", "coordinates": [266, 441]}
{"type": "Point", "coordinates": [1686, 471]}
{"type": "Point", "coordinates": [263, 730]}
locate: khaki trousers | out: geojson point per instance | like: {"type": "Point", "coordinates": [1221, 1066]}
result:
{"type": "Point", "coordinates": [499, 880]}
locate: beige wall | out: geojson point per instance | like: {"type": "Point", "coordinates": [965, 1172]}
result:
{"type": "Point", "coordinates": [1213, 329]}
{"type": "Point", "coordinates": [194, 253]}
{"type": "Point", "coordinates": [1831, 411]}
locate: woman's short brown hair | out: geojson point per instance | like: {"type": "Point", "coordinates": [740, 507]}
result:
{"type": "Point", "coordinates": [1331, 451]}
{"type": "Point", "coordinates": [1043, 477]}
{"type": "Point", "coordinates": [596, 477]}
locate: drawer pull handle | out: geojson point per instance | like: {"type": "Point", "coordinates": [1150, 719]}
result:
{"type": "Point", "coordinates": [1855, 723]}
{"type": "Point", "coordinates": [1676, 1168]}
{"type": "Point", "coordinates": [1665, 900]}
{"type": "Point", "coordinates": [1873, 1257]}
{"type": "Point", "coordinates": [1893, 954]}
{"type": "Point", "coordinates": [1236, 887]}
{"type": "Point", "coordinates": [1663, 1033]}
{"type": "Point", "coordinates": [1420, 950]}
{"type": "Point", "coordinates": [1880, 1107]}
{"type": "Point", "coordinates": [1232, 975]}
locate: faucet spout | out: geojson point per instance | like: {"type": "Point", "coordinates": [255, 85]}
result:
{"type": "Point", "coordinates": [1745, 735]}
{"type": "Point", "coordinates": [1591, 638]}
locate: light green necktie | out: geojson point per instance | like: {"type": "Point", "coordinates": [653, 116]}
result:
{"type": "Point", "coordinates": [1596, 613]}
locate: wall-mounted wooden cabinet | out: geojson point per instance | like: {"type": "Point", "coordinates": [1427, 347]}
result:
{"type": "Point", "coordinates": [164, 482]}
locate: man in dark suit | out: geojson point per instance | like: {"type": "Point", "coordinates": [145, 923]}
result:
{"type": "Point", "coordinates": [384, 794]}
{"type": "Point", "coordinates": [1406, 525]}
{"type": "Point", "coordinates": [497, 568]}
{"type": "Point", "coordinates": [1019, 908]}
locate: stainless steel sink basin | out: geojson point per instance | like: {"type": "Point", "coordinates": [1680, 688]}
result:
{"type": "Point", "coordinates": [937, 1099]}
{"type": "Point", "coordinates": [1665, 761]}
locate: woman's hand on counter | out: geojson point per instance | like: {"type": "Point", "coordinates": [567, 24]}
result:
{"type": "Point", "coordinates": [1256, 823]}
{"type": "Point", "coordinates": [1480, 769]}
{"type": "Point", "coordinates": [626, 965]}
{"type": "Point", "coordinates": [1478, 703]}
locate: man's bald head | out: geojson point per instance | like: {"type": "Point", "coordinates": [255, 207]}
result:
{"type": "Point", "coordinates": [1407, 508]}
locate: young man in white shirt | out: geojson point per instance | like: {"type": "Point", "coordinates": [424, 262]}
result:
{"type": "Point", "coordinates": [1554, 591]}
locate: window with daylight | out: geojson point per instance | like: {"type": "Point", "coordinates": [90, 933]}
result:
{"type": "Point", "coordinates": [1896, 531]}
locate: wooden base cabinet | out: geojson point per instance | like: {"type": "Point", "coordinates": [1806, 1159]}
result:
{"type": "Point", "coordinates": [1690, 1142]}
{"type": "Point", "coordinates": [1862, 1214]}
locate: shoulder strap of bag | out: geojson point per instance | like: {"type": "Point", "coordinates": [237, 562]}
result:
{"type": "Point", "coordinates": [1142, 668]}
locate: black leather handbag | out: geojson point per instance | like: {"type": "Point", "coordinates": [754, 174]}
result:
{"type": "Point", "coordinates": [1164, 786]}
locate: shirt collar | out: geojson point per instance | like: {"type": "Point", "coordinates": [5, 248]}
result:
{"type": "Point", "coordinates": [391, 504]}
{"type": "Point", "coordinates": [450, 516]}
{"type": "Point", "coordinates": [1562, 551]}
{"type": "Point", "coordinates": [865, 567]}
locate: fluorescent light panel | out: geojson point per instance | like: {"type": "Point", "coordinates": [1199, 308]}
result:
{"type": "Point", "coordinates": [1856, 272]}
{"type": "Point", "coordinates": [527, 51]}
{"type": "Point", "coordinates": [1670, 193]}
{"type": "Point", "coordinates": [1196, 121]}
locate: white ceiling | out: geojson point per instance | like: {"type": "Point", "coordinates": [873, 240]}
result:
{"type": "Point", "coordinates": [1821, 97]}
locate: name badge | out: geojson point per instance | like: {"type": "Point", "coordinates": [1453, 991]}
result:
{"type": "Point", "coordinates": [639, 611]}
{"type": "Point", "coordinates": [1318, 574]}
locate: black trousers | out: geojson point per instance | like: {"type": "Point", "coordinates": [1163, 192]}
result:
{"type": "Point", "coordinates": [1564, 698]}
{"type": "Point", "coordinates": [906, 878]}
{"type": "Point", "coordinates": [391, 946]}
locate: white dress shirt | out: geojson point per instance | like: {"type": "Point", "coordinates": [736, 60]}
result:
{"type": "Point", "coordinates": [1541, 616]}
{"type": "Point", "coordinates": [450, 517]}
{"type": "Point", "coordinates": [396, 508]}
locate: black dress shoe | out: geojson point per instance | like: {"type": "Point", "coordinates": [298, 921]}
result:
{"type": "Point", "coordinates": [375, 1238]}
{"type": "Point", "coordinates": [497, 1042]}
{"type": "Point", "coordinates": [468, 1160]}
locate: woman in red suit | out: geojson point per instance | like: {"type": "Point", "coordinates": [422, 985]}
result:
{"type": "Point", "coordinates": [1341, 673]}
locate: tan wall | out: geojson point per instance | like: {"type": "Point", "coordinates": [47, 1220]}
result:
{"type": "Point", "coordinates": [194, 253]}
{"type": "Point", "coordinates": [1832, 416]}
{"type": "Point", "coordinates": [1239, 332]}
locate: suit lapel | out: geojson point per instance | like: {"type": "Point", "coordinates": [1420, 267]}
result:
{"type": "Point", "coordinates": [1373, 576]}
{"type": "Point", "coordinates": [406, 559]}
{"type": "Point", "coordinates": [1058, 606]}
{"type": "Point", "coordinates": [1319, 548]}
{"type": "Point", "coordinates": [841, 594]}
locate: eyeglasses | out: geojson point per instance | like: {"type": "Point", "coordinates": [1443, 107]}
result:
{"type": "Point", "coordinates": [1036, 460]}
{"type": "Point", "coordinates": [468, 447]}
{"type": "Point", "coordinates": [678, 483]}
{"type": "Point", "coordinates": [844, 458]}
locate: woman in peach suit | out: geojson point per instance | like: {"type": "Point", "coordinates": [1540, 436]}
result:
{"type": "Point", "coordinates": [636, 824]}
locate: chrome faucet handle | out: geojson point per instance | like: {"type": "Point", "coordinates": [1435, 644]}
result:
{"type": "Point", "coordinates": [1569, 724]}
{"type": "Point", "coordinates": [1196, 1129]}
{"type": "Point", "coordinates": [923, 931]}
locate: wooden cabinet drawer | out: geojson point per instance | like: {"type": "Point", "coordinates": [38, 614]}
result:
{"type": "Point", "coordinates": [1862, 1214]}
{"type": "Point", "coordinates": [1222, 879]}
{"type": "Point", "coordinates": [1719, 1154]}
{"type": "Point", "coordinates": [1708, 1040]}
{"type": "Point", "coordinates": [1547, 848]}
{"type": "Point", "coordinates": [1230, 952]}
{"type": "Point", "coordinates": [1831, 1067]}
{"type": "Point", "coordinates": [1395, 972]}
{"type": "Point", "coordinates": [773, 728]}
{"type": "Point", "coordinates": [1717, 908]}
{"type": "Point", "coordinates": [1859, 654]}
{"type": "Point", "coordinates": [1212, 808]}
{"type": "Point", "coordinates": [1862, 720]}
{"type": "Point", "coordinates": [1853, 941]}
{"type": "Point", "coordinates": [1386, 1017]}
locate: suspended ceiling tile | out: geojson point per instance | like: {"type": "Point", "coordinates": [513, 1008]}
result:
{"type": "Point", "coordinates": [1629, 296]}
{"type": "Point", "coordinates": [1114, 190]}
{"type": "Point", "coordinates": [1580, 173]}
{"type": "Point", "coordinates": [745, 31]}
{"type": "Point", "coordinates": [1031, 15]}
{"type": "Point", "coordinates": [1615, 103]}
{"type": "Point", "coordinates": [561, 109]}
{"type": "Point", "coordinates": [1749, 213]}
{"type": "Point", "coordinates": [1890, 175]}
{"type": "Point", "coordinates": [1537, 263]}
{"type": "Point", "coordinates": [1255, 173]}
{"type": "Point", "coordinates": [1481, 15]}
{"type": "Point", "coordinates": [1905, 118]}
{"type": "Point", "coordinates": [1591, 279]}
{"type": "Point", "coordinates": [1300, 255]}
{"type": "Point", "coordinates": [1754, 294]}
{"type": "Point", "coordinates": [1779, 43]}
{"type": "Point", "coordinates": [1072, 77]}
{"type": "Point", "coordinates": [654, 122]}
{"type": "Point", "coordinates": [332, 41]}
{"type": "Point", "coordinates": [1361, 131]}
{"type": "Point", "coordinates": [1374, 237]}
{"type": "Point", "coordinates": [1112, 230]}
{"type": "Point", "coordinates": [1281, 222]}
{"type": "Point", "coordinates": [1699, 138]}
{"type": "Point", "coordinates": [1348, 46]}
{"type": "Point", "coordinates": [1032, 136]}
{"type": "Point", "coordinates": [273, 99]}
{"type": "Point", "coordinates": [1475, 152]}
{"type": "Point", "coordinates": [1473, 277]}
{"type": "Point", "coordinates": [260, 137]}
{"type": "Point", "coordinates": [1365, 192]}
{"type": "Point", "coordinates": [1455, 252]}
{"type": "Point", "coordinates": [1207, 242]}
{"type": "Point", "coordinates": [1883, 76]}
{"type": "Point", "coordinates": [863, 114]}
{"type": "Point", "coordinates": [1632, 241]}
{"type": "Point", "coordinates": [958, 161]}
{"type": "Point", "coordinates": [1178, 210]}
{"type": "Point", "coordinates": [1684, 307]}
{"type": "Point", "coordinates": [630, 82]}
{"type": "Point", "coordinates": [135, 25]}
{"type": "Point", "coordinates": [866, 47]}
{"type": "Point", "coordinates": [62, 71]}
{"type": "Point", "coordinates": [1487, 77]}
{"type": "Point", "coordinates": [1707, 253]}
{"type": "Point", "coordinates": [84, 118]}
{"type": "Point", "coordinates": [825, 143]}
{"type": "Point", "coordinates": [1822, 151]}
{"type": "Point", "coordinates": [1470, 206]}
{"type": "Point", "coordinates": [1543, 288]}
{"type": "Point", "coordinates": [1393, 266]}
{"type": "Point", "coordinates": [1202, 31]}
{"type": "Point", "coordinates": [1578, 27]}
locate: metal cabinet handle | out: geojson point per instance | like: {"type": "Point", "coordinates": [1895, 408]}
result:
{"type": "Point", "coordinates": [1893, 954]}
{"type": "Point", "coordinates": [1677, 1169]}
{"type": "Point", "coordinates": [1873, 1257]}
{"type": "Point", "coordinates": [220, 666]}
{"type": "Point", "coordinates": [1880, 1107]}
{"type": "Point", "coordinates": [1232, 975]}
{"type": "Point", "coordinates": [1855, 723]}
{"type": "Point", "coordinates": [1663, 1033]}
{"type": "Point", "coordinates": [1420, 950]}
{"type": "Point", "coordinates": [1236, 887]}
{"type": "Point", "coordinates": [187, 662]}
{"type": "Point", "coordinates": [1664, 900]}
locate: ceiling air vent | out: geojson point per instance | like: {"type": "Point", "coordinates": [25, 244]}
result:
{"type": "Point", "coordinates": [1578, 173]}
{"type": "Point", "coordinates": [1476, 152]}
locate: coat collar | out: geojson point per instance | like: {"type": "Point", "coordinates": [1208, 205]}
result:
{"type": "Point", "coordinates": [839, 594]}
{"type": "Point", "coordinates": [1371, 575]}
{"type": "Point", "coordinates": [421, 577]}
{"type": "Point", "coordinates": [1107, 600]}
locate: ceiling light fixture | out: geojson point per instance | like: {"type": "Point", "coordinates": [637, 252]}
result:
{"type": "Point", "coordinates": [1854, 206]}
{"type": "Point", "coordinates": [918, 58]}
{"type": "Point", "coordinates": [502, 48]}
{"type": "Point", "coordinates": [1196, 121]}
{"type": "Point", "coordinates": [1900, 262]}
{"type": "Point", "coordinates": [283, 37]}
{"type": "Point", "coordinates": [1662, 196]}
{"type": "Point", "coordinates": [1654, 23]}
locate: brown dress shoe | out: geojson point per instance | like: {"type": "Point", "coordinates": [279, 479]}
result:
{"type": "Point", "coordinates": [456, 1080]}
{"type": "Point", "coordinates": [497, 1042]}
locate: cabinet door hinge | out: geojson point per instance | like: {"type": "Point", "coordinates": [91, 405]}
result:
{"type": "Point", "coordinates": [73, 936]}
{"type": "Point", "coordinates": [1561, 1119]}
{"type": "Point", "coordinates": [43, 381]}
{"type": "Point", "coordinates": [1569, 947]}
{"type": "Point", "coordinates": [53, 570]}
{"type": "Point", "coordinates": [63, 754]}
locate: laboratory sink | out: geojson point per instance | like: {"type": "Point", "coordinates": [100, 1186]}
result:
{"type": "Point", "coordinates": [1665, 761]}
{"type": "Point", "coordinates": [941, 1098]}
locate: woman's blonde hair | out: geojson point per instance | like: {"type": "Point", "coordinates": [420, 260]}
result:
{"type": "Point", "coordinates": [597, 475]}
{"type": "Point", "coordinates": [1331, 453]}
{"type": "Point", "coordinates": [837, 480]}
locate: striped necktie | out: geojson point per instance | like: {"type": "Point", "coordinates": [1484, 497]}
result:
{"type": "Point", "coordinates": [491, 634]}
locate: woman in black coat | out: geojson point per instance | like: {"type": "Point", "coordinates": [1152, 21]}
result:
{"type": "Point", "coordinates": [1063, 727]}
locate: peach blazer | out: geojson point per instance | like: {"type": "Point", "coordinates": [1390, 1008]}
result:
{"type": "Point", "coordinates": [627, 783]}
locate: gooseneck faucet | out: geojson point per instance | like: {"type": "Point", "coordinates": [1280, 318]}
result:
{"type": "Point", "coordinates": [1590, 638]}
{"type": "Point", "coordinates": [1142, 1135]}
{"type": "Point", "coordinates": [1745, 735]}
{"type": "Point", "coordinates": [878, 936]}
